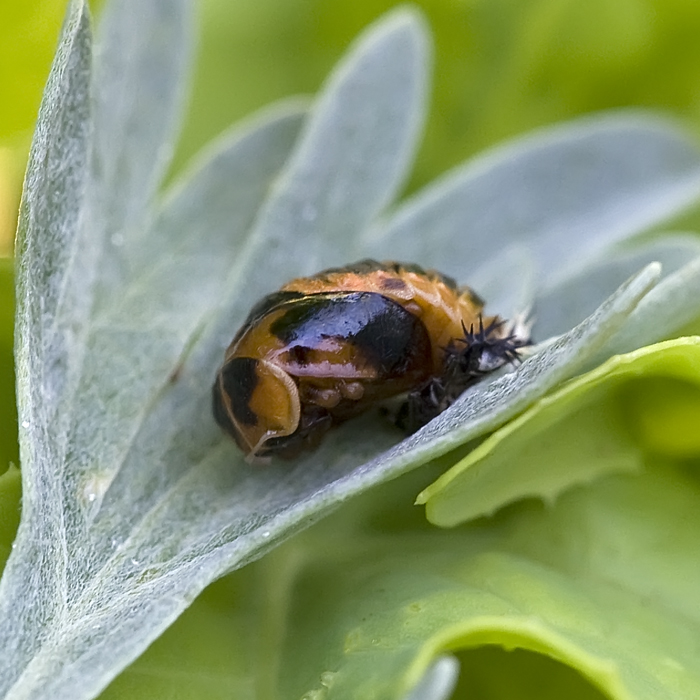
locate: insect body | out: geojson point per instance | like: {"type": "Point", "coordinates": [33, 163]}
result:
{"type": "Point", "coordinates": [325, 348]}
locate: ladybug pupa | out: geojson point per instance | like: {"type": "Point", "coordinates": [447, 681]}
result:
{"type": "Point", "coordinates": [326, 348]}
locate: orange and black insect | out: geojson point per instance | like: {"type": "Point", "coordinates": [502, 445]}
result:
{"type": "Point", "coordinates": [325, 348]}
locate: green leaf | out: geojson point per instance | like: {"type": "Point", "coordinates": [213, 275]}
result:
{"type": "Point", "coordinates": [207, 653]}
{"type": "Point", "coordinates": [581, 293]}
{"type": "Point", "coordinates": [48, 221]}
{"type": "Point", "coordinates": [564, 194]}
{"type": "Point", "coordinates": [295, 482]}
{"type": "Point", "coordinates": [362, 604]}
{"type": "Point", "coordinates": [602, 581]}
{"type": "Point", "coordinates": [139, 86]}
{"type": "Point", "coordinates": [350, 160]}
{"type": "Point", "coordinates": [672, 306]}
{"type": "Point", "coordinates": [574, 436]}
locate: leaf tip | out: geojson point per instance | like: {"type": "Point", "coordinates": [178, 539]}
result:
{"type": "Point", "coordinates": [650, 274]}
{"type": "Point", "coordinates": [404, 25]}
{"type": "Point", "coordinates": [77, 12]}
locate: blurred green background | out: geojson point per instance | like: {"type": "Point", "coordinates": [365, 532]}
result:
{"type": "Point", "coordinates": [501, 67]}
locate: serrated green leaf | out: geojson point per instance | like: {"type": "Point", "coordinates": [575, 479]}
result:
{"type": "Point", "coordinates": [602, 581]}
{"type": "Point", "coordinates": [516, 674]}
{"type": "Point", "coordinates": [213, 501]}
{"type": "Point", "coordinates": [574, 436]}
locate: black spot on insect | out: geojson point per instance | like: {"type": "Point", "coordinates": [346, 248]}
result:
{"type": "Point", "coordinates": [393, 284]}
{"type": "Point", "coordinates": [309, 309]}
{"type": "Point", "coordinates": [383, 332]}
{"type": "Point", "coordinates": [220, 414]}
{"type": "Point", "coordinates": [238, 380]}
{"type": "Point", "coordinates": [392, 338]}
{"type": "Point", "coordinates": [299, 355]}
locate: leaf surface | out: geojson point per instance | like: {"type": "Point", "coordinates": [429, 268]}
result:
{"type": "Point", "coordinates": [564, 195]}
